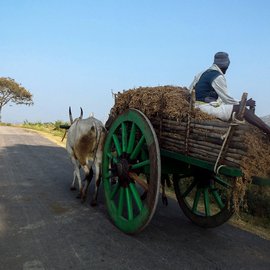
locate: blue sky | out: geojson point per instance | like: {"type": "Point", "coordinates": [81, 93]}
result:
{"type": "Point", "coordinates": [74, 53]}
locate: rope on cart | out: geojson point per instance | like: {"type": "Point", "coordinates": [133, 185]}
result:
{"type": "Point", "coordinates": [236, 120]}
{"type": "Point", "coordinates": [191, 111]}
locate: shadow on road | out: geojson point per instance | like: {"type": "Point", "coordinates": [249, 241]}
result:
{"type": "Point", "coordinates": [43, 224]}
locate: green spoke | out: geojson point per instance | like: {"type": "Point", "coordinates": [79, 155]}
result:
{"type": "Point", "coordinates": [107, 175]}
{"type": "Point", "coordinates": [222, 182]}
{"type": "Point", "coordinates": [206, 202]}
{"type": "Point", "coordinates": [120, 202]}
{"type": "Point", "coordinates": [131, 140]}
{"type": "Point", "coordinates": [117, 145]}
{"type": "Point", "coordinates": [217, 198]}
{"type": "Point", "coordinates": [124, 137]}
{"type": "Point", "coordinates": [190, 188]}
{"type": "Point", "coordinates": [141, 164]}
{"type": "Point", "coordinates": [129, 204]}
{"type": "Point", "coordinates": [115, 190]}
{"type": "Point", "coordinates": [136, 195]}
{"type": "Point", "coordinates": [110, 156]}
{"type": "Point", "coordinates": [144, 156]}
{"type": "Point", "coordinates": [138, 148]}
{"type": "Point", "coordinates": [196, 200]}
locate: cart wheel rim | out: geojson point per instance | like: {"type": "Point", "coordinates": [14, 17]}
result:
{"type": "Point", "coordinates": [131, 171]}
{"type": "Point", "coordinates": [205, 201]}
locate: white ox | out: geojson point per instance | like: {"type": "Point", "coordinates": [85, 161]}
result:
{"type": "Point", "coordinates": [85, 140]}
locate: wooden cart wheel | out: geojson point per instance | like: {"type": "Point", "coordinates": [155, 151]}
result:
{"type": "Point", "coordinates": [206, 199]}
{"type": "Point", "coordinates": [131, 171]}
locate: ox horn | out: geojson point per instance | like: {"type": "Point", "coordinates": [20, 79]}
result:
{"type": "Point", "coordinates": [81, 116]}
{"type": "Point", "coordinates": [70, 116]}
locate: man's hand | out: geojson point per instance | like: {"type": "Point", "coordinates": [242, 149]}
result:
{"type": "Point", "coordinates": [251, 103]}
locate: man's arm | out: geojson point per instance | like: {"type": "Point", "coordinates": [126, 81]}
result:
{"type": "Point", "coordinates": [220, 86]}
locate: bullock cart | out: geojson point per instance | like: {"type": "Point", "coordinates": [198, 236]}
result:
{"type": "Point", "coordinates": [138, 155]}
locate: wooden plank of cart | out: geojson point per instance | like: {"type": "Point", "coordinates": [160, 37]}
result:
{"type": "Point", "coordinates": [134, 161]}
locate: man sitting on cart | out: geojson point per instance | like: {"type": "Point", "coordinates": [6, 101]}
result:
{"type": "Point", "coordinates": [212, 94]}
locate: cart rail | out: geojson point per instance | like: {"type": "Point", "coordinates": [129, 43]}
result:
{"type": "Point", "coordinates": [259, 181]}
{"type": "Point", "coordinates": [224, 169]}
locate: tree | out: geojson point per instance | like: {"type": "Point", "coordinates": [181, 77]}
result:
{"type": "Point", "coordinates": [11, 91]}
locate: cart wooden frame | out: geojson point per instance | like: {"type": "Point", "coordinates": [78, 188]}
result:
{"type": "Point", "coordinates": [133, 165]}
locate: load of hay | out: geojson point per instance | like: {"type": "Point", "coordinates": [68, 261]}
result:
{"type": "Point", "coordinates": [168, 108]}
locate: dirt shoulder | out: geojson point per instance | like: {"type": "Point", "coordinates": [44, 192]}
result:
{"type": "Point", "coordinates": [51, 137]}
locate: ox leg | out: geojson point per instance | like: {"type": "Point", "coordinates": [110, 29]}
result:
{"type": "Point", "coordinates": [88, 178]}
{"type": "Point", "coordinates": [164, 197]}
{"type": "Point", "coordinates": [72, 186]}
{"type": "Point", "coordinates": [165, 180]}
{"type": "Point", "coordinates": [94, 200]}
{"type": "Point", "coordinates": [97, 183]}
{"type": "Point", "coordinates": [76, 174]}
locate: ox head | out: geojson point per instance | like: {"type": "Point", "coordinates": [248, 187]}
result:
{"type": "Point", "coordinates": [71, 118]}
{"type": "Point", "coordinates": [71, 121]}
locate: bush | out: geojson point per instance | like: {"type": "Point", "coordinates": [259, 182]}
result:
{"type": "Point", "coordinates": [5, 124]}
{"type": "Point", "coordinates": [258, 201]}
{"type": "Point", "coordinates": [58, 123]}
{"type": "Point", "coordinates": [49, 127]}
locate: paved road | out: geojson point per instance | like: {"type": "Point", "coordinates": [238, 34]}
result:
{"type": "Point", "coordinates": [43, 225]}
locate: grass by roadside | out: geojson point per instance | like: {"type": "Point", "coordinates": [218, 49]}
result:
{"type": "Point", "coordinates": [51, 128]}
{"type": "Point", "coordinates": [54, 138]}
{"type": "Point", "coordinates": [5, 124]}
{"type": "Point", "coordinates": [51, 131]}
{"type": "Point", "coordinates": [257, 225]}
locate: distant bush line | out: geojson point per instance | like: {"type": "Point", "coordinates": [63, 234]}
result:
{"type": "Point", "coordinates": [53, 128]}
